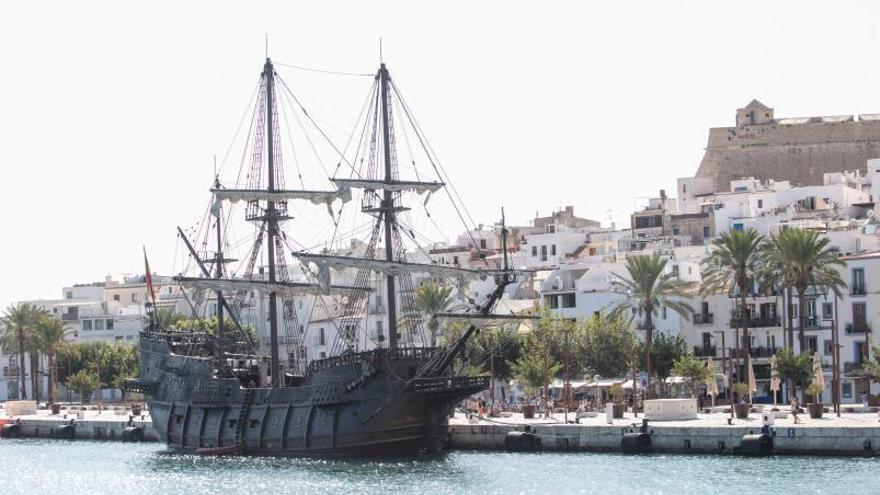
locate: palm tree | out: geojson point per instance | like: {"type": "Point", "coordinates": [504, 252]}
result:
{"type": "Point", "coordinates": [647, 289]}
{"type": "Point", "coordinates": [50, 333]}
{"type": "Point", "coordinates": [735, 262]}
{"type": "Point", "coordinates": [433, 299]}
{"type": "Point", "coordinates": [17, 339]}
{"type": "Point", "coordinates": [805, 261]}
{"type": "Point", "coordinates": [165, 318]}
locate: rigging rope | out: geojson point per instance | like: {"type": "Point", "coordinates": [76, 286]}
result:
{"type": "Point", "coordinates": [322, 71]}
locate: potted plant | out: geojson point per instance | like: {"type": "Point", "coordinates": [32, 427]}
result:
{"type": "Point", "coordinates": [741, 409]}
{"type": "Point", "coordinates": [817, 407]}
{"type": "Point", "coordinates": [617, 407]}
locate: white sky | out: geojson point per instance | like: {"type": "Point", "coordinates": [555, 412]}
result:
{"type": "Point", "coordinates": [110, 114]}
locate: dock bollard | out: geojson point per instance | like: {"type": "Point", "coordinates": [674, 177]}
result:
{"type": "Point", "coordinates": [11, 430]}
{"type": "Point", "coordinates": [637, 442]}
{"type": "Point", "coordinates": [521, 441]}
{"type": "Point", "coordinates": [756, 445]}
{"type": "Point", "coordinates": [133, 434]}
{"type": "Point", "coordinates": [67, 432]}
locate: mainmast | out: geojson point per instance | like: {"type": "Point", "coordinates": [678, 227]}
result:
{"type": "Point", "coordinates": [388, 207]}
{"type": "Point", "coordinates": [271, 224]}
{"type": "Point", "coordinates": [221, 327]}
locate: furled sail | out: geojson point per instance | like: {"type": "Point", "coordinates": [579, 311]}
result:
{"type": "Point", "coordinates": [279, 288]}
{"type": "Point", "coordinates": [316, 197]}
{"type": "Point", "coordinates": [393, 186]}
{"type": "Point", "coordinates": [395, 268]}
{"type": "Point", "coordinates": [487, 320]}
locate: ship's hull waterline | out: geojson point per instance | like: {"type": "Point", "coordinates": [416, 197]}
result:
{"type": "Point", "coordinates": [362, 404]}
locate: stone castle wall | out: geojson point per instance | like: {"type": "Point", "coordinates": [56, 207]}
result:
{"type": "Point", "coordinates": [799, 153]}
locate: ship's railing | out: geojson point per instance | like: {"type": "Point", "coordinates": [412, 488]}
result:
{"type": "Point", "coordinates": [449, 384]}
{"type": "Point", "coordinates": [196, 344]}
{"type": "Point", "coordinates": [139, 385]}
{"type": "Point", "coordinates": [414, 353]}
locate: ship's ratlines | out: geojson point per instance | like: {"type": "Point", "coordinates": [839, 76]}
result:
{"type": "Point", "coordinates": [304, 336]}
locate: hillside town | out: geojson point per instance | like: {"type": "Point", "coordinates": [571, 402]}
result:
{"type": "Point", "coordinates": [766, 174]}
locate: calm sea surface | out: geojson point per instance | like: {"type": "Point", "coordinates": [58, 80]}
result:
{"type": "Point", "coordinates": [49, 466]}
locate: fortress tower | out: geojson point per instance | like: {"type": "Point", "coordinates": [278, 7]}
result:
{"type": "Point", "coordinates": [798, 150]}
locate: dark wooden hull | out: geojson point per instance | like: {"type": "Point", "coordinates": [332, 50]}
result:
{"type": "Point", "coordinates": [356, 405]}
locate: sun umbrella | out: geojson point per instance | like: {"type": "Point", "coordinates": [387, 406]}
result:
{"type": "Point", "coordinates": [774, 378]}
{"type": "Point", "coordinates": [712, 384]}
{"type": "Point", "coordinates": [753, 385]}
{"type": "Point", "coordinates": [818, 374]}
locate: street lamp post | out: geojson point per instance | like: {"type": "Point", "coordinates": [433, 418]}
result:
{"type": "Point", "coordinates": [835, 361]}
{"type": "Point", "coordinates": [724, 364]}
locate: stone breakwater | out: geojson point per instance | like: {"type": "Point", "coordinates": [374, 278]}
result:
{"type": "Point", "coordinates": [850, 435]}
{"type": "Point", "coordinates": [73, 424]}
{"type": "Point", "coordinates": [854, 434]}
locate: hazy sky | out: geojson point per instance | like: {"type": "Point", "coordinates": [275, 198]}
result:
{"type": "Point", "coordinates": [110, 114]}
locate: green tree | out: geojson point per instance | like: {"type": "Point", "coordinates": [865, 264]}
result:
{"type": "Point", "coordinates": [19, 339]}
{"type": "Point", "coordinates": [736, 262]}
{"type": "Point", "coordinates": [805, 261]}
{"type": "Point", "coordinates": [647, 288]}
{"type": "Point", "coordinates": [433, 299]}
{"type": "Point", "coordinates": [84, 382]}
{"type": "Point", "coordinates": [498, 347]}
{"type": "Point", "coordinates": [664, 352]}
{"type": "Point", "coordinates": [797, 367]}
{"type": "Point", "coordinates": [166, 318]}
{"type": "Point", "coordinates": [50, 332]}
{"type": "Point", "coordinates": [536, 370]}
{"type": "Point", "coordinates": [604, 346]}
{"type": "Point", "coordinates": [539, 359]}
{"type": "Point", "coordinates": [693, 370]}
{"type": "Point", "coordinates": [871, 369]}
{"type": "Point", "coordinates": [115, 362]}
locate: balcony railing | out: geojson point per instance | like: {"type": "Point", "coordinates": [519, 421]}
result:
{"type": "Point", "coordinates": [755, 321]}
{"type": "Point", "coordinates": [857, 290]}
{"type": "Point", "coordinates": [852, 328]}
{"type": "Point", "coordinates": [703, 319]}
{"type": "Point", "coordinates": [852, 369]}
{"type": "Point", "coordinates": [755, 352]}
{"type": "Point", "coordinates": [705, 351]}
{"type": "Point", "coordinates": [10, 371]}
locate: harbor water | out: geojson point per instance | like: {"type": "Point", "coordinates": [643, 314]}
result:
{"type": "Point", "coordinates": [33, 466]}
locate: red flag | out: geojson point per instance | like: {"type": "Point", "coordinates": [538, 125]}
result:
{"type": "Point", "coordinates": [148, 277]}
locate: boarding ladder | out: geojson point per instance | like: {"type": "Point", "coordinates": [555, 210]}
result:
{"type": "Point", "coordinates": [243, 414]}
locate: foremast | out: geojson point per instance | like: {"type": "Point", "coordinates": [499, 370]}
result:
{"type": "Point", "coordinates": [266, 201]}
